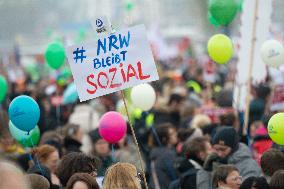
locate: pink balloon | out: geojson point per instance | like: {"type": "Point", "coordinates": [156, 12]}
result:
{"type": "Point", "coordinates": [112, 127]}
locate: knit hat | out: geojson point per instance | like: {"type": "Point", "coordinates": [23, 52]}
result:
{"type": "Point", "coordinates": [95, 135]}
{"type": "Point", "coordinates": [226, 136]}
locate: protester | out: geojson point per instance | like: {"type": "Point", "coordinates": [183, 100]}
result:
{"type": "Point", "coordinates": [122, 175]}
{"type": "Point", "coordinates": [226, 177]}
{"type": "Point", "coordinates": [73, 136]}
{"type": "Point", "coordinates": [163, 155]}
{"type": "Point", "coordinates": [37, 181]}
{"type": "Point", "coordinates": [271, 161]}
{"type": "Point", "coordinates": [82, 181]}
{"type": "Point", "coordinates": [196, 152]}
{"type": "Point", "coordinates": [277, 181]}
{"type": "Point", "coordinates": [227, 147]}
{"type": "Point", "coordinates": [76, 162]}
{"type": "Point", "coordinates": [101, 149]}
{"type": "Point", "coordinates": [11, 177]}
{"type": "Point", "coordinates": [47, 156]}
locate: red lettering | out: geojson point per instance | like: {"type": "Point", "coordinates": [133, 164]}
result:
{"type": "Point", "coordinates": [129, 74]}
{"type": "Point", "coordinates": [122, 73]}
{"type": "Point", "coordinates": [99, 81]}
{"type": "Point", "coordinates": [141, 76]}
{"type": "Point", "coordinates": [91, 83]}
{"type": "Point", "coordinates": [113, 85]}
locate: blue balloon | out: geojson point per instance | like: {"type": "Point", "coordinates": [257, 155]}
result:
{"type": "Point", "coordinates": [24, 113]}
{"type": "Point", "coordinates": [25, 139]}
{"type": "Point", "coordinates": [70, 95]}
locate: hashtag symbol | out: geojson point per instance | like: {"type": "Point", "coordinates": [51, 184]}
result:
{"type": "Point", "coordinates": [78, 52]}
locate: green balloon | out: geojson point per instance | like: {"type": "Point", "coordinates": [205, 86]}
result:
{"type": "Point", "coordinates": [223, 11]}
{"type": "Point", "coordinates": [212, 20]}
{"type": "Point", "coordinates": [3, 88]}
{"type": "Point", "coordinates": [129, 6]}
{"type": "Point", "coordinates": [55, 55]}
{"type": "Point", "coordinates": [240, 5]}
{"type": "Point", "coordinates": [66, 73]}
{"type": "Point", "coordinates": [24, 138]}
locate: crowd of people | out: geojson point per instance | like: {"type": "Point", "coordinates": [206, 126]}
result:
{"type": "Point", "coordinates": [192, 138]}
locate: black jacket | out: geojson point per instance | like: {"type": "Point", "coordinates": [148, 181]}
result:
{"type": "Point", "coordinates": [163, 158]}
{"type": "Point", "coordinates": [72, 145]}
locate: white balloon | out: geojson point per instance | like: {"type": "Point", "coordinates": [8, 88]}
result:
{"type": "Point", "coordinates": [143, 96]}
{"type": "Point", "coordinates": [272, 53]}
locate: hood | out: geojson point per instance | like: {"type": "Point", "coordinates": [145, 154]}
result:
{"type": "Point", "coordinates": [161, 152]}
{"type": "Point", "coordinates": [242, 153]}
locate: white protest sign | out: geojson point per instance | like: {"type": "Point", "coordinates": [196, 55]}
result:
{"type": "Point", "coordinates": [112, 63]}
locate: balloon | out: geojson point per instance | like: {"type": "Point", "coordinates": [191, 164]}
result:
{"type": "Point", "coordinates": [276, 128]}
{"type": "Point", "coordinates": [272, 53]}
{"type": "Point", "coordinates": [129, 5]}
{"type": "Point", "coordinates": [212, 20]}
{"type": "Point", "coordinates": [220, 48]}
{"type": "Point", "coordinates": [143, 96]}
{"type": "Point", "coordinates": [66, 73]}
{"type": "Point", "coordinates": [24, 113]}
{"type": "Point", "coordinates": [55, 55]}
{"type": "Point", "coordinates": [196, 87]}
{"type": "Point", "coordinates": [223, 11]}
{"type": "Point", "coordinates": [3, 88]}
{"type": "Point", "coordinates": [70, 95]}
{"type": "Point", "coordinates": [25, 139]}
{"type": "Point", "coordinates": [112, 127]}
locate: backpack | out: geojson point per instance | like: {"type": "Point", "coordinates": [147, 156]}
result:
{"type": "Point", "coordinates": [179, 183]}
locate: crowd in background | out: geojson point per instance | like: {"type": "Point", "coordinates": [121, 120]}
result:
{"type": "Point", "coordinates": [191, 138]}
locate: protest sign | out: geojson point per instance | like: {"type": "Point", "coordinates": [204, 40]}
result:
{"type": "Point", "coordinates": [112, 63]}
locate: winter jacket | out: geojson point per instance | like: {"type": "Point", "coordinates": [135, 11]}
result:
{"type": "Point", "coordinates": [187, 179]}
{"type": "Point", "coordinates": [241, 159]}
{"type": "Point", "coordinates": [162, 160]}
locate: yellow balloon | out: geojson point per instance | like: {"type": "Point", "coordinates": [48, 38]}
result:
{"type": "Point", "coordinates": [276, 128]}
{"type": "Point", "coordinates": [220, 48]}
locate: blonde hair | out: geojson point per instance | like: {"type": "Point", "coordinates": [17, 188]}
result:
{"type": "Point", "coordinates": [121, 176]}
{"type": "Point", "coordinates": [200, 120]}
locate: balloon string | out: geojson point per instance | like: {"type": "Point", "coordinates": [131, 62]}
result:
{"type": "Point", "coordinates": [112, 152]}
{"type": "Point", "coordinates": [135, 140]}
{"type": "Point", "coordinates": [36, 162]}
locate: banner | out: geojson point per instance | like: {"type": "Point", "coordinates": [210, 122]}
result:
{"type": "Point", "coordinates": [112, 63]}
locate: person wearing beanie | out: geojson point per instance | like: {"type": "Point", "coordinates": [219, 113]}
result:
{"type": "Point", "coordinates": [227, 147]}
{"type": "Point", "coordinates": [101, 149]}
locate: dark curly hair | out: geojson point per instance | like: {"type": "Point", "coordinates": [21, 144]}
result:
{"type": "Point", "coordinates": [76, 162]}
